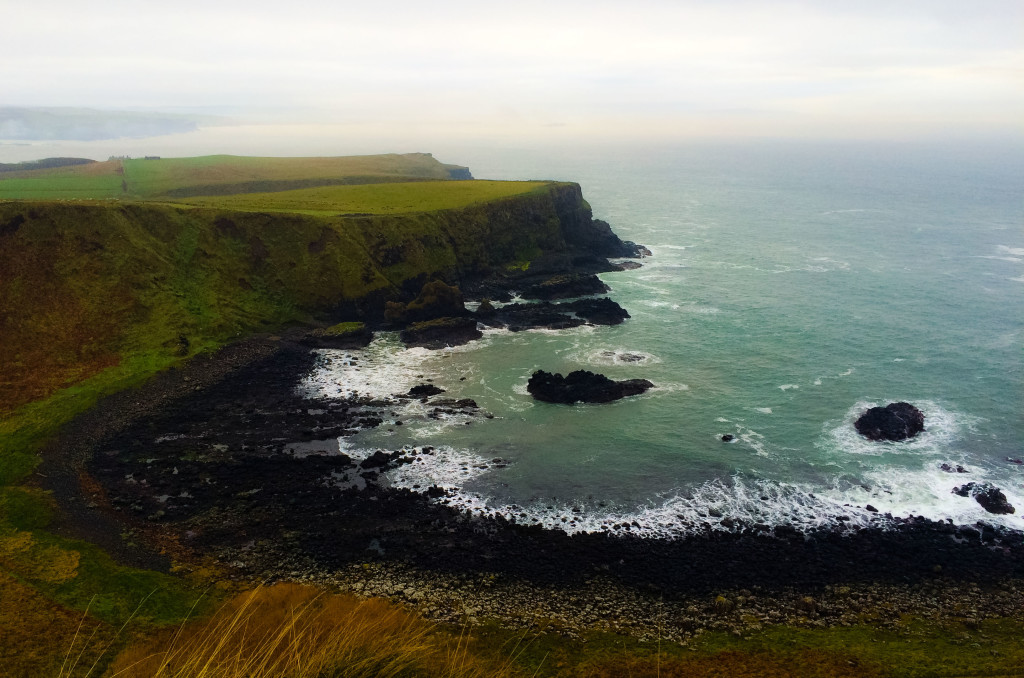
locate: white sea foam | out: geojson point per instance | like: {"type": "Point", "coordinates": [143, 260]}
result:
{"type": "Point", "coordinates": [786, 387]}
{"type": "Point", "coordinates": [719, 505]}
{"type": "Point", "coordinates": [615, 356]}
{"type": "Point", "coordinates": [763, 410]}
{"type": "Point", "coordinates": [382, 369]}
{"type": "Point", "coordinates": [699, 309]}
{"type": "Point", "coordinates": [1015, 251]}
{"type": "Point", "coordinates": [1015, 260]}
{"type": "Point", "coordinates": [716, 505]}
{"type": "Point", "coordinates": [445, 467]}
{"type": "Point", "coordinates": [942, 429]}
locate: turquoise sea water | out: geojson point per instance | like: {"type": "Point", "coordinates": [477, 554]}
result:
{"type": "Point", "coordinates": [791, 288]}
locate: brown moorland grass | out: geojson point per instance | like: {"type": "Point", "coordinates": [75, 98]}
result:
{"type": "Point", "coordinates": [295, 631]}
{"type": "Point", "coordinates": [41, 638]}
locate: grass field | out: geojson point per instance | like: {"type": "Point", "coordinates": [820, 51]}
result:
{"type": "Point", "coordinates": [216, 175]}
{"type": "Point", "coordinates": [385, 198]}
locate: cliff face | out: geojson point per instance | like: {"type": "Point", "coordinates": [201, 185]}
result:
{"type": "Point", "coordinates": [87, 286]}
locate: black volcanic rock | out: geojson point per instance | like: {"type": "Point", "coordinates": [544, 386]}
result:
{"type": "Point", "coordinates": [565, 286]}
{"type": "Point", "coordinates": [989, 496]}
{"type": "Point", "coordinates": [517, 317]}
{"type": "Point", "coordinates": [424, 391]}
{"type": "Point", "coordinates": [601, 311]}
{"type": "Point", "coordinates": [582, 386]}
{"type": "Point", "coordinates": [441, 332]}
{"type": "Point", "coordinates": [895, 421]}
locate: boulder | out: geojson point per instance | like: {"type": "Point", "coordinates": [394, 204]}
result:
{"type": "Point", "coordinates": [424, 391]}
{"type": "Point", "coordinates": [989, 496]}
{"type": "Point", "coordinates": [582, 386]}
{"type": "Point", "coordinates": [895, 421]}
{"type": "Point", "coordinates": [441, 332]}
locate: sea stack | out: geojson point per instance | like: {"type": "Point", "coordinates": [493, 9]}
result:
{"type": "Point", "coordinates": [895, 421]}
{"type": "Point", "coordinates": [582, 386]}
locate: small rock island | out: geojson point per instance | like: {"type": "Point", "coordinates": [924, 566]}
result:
{"type": "Point", "coordinates": [895, 421]}
{"type": "Point", "coordinates": [582, 386]}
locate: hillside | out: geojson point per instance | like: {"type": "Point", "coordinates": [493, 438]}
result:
{"type": "Point", "coordinates": [114, 271]}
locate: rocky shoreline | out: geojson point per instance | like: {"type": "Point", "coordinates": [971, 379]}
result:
{"type": "Point", "coordinates": [200, 466]}
{"type": "Point", "coordinates": [222, 463]}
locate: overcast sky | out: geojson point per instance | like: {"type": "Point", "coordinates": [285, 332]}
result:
{"type": "Point", "coordinates": [853, 68]}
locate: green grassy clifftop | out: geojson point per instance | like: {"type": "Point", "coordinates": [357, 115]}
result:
{"type": "Point", "coordinates": [90, 287]}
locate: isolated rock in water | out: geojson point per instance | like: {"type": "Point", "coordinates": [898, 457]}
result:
{"type": "Point", "coordinates": [582, 386]}
{"type": "Point", "coordinates": [989, 496]}
{"type": "Point", "coordinates": [952, 468]}
{"type": "Point", "coordinates": [728, 438]}
{"type": "Point", "coordinates": [424, 391]}
{"type": "Point", "coordinates": [895, 421]}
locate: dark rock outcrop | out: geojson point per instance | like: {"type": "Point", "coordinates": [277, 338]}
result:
{"type": "Point", "coordinates": [565, 286]}
{"type": "Point", "coordinates": [424, 391]}
{"type": "Point", "coordinates": [441, 332]}
{"type": "Point", "coordinates": [952, 468]}
{"type": "Point", "coordinates": [517, 317]}
{"type": "Point", "coordinates": [582, 386]}
{"type": "Point", "coordinates": [989, 496]}
{"type": "Point", "coordinates": [601, 311]}
{"type": "Point", "coordinates": [436, 299]}
{"type": "Point", "coordinates": [895, 421]}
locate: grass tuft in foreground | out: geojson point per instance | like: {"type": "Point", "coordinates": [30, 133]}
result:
{"type": "Point", "coordinates": [298, 632]}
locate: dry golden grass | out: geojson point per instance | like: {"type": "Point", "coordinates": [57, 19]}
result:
{"type": "Point", "coordinates": [292, 631]}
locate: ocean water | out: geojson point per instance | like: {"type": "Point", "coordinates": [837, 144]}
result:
{"type": "Point", "coordinates": [790, 288]}
{"type": "Point", "coordinates": [793, 285]}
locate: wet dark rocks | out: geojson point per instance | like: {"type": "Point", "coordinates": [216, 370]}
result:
{"type": "Point", "coordinates": [547, 315]}
{"type": "Point", "coordinates": [424, 391]}
{"type": "Point", "coordinates": [631, 357]}
{"type": "Point", "coordinates": [582, 386]}
{"type": "Point", "coordinates": [441, 332]}
{"type": "Point", "coordinates": [565, 286]}
{"type": "Point", "coordinates": [519, 317]}
{"type": "Point", "coordinates": [952, 468]}
{"type": "Point", "coordinates": [895, 421]}
{"type": "Point", "coordinates": [728, 438]}
{"type": "Point", "coordinates": [601, 311]}
{"type": "Point", "coordinates": [989, 496]}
